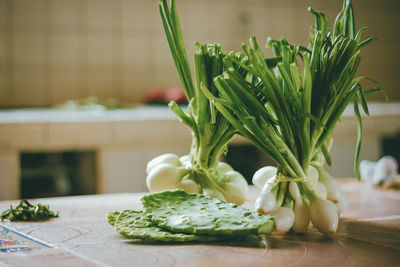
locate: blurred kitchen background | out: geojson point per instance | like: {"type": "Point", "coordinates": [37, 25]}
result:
{"type": "Point", "coordinates": [114, 51]}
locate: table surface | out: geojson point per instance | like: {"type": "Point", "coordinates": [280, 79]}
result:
{"type": "Point", "coordinates": [368, 235]}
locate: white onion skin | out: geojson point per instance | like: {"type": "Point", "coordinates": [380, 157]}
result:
{"type": "Point", "coordinates": [185, 160]}
{"type": "Point", "coordinates": [224, 167]}
{"type": "Point", "coordinates": [234, 193]}
{"type": "Point", "coordinates": [237, 178]}
{"type": "Point", "coordinates": [164, 176]}
{"type": "Point", "coordinates": [301, 217]}
{"type": "Point", "coordinates": [367, 170]}
{"type": "Point", "coordinates": [262, 175]}
{"type": "Point", "coordinates": [269, 185]}
{"type": "Point", "coordinates": [165, 158]}
{"type": "Point", "coordinates": [324, 216]}
{"type": "Point", "coordinates": [320, 190]}
{"type": "Point", "coordinates": [189, 186]}
{"type": "Point", "coordinates": [294, 191]}
{"type": "Point", "coordinates": [341, 204]}
{"type": "Point", "coordinates": [284, 219]}
{"type": "Point", "coordinates": [213, 193]}
{"type": "Point", "coordinates": [312, 175]}
{"type": "Point", "coordinates": [265, 202]}
{"type": "Point", "coordinates": [235, 187]}
{"type": "Point", "coordinates": [301, 212]}
{"type": "Point", "coordinates": [385, 169]}
{"type": "Point", "coordinates": [333, 191]}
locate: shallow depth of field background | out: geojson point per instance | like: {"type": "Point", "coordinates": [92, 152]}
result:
{"type": "Point", "coordinates": [52, 51]}
{"type": "Point", "coordinates": [55, 50]}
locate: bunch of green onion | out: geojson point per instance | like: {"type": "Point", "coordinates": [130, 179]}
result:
{"type": "Point", "coordinates": [288, 107]}
{"type": "Point", "coordinates": [200, 171]}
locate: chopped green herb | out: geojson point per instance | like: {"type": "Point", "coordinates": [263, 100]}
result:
{"type": "Point", "coordinates": [25, 211]}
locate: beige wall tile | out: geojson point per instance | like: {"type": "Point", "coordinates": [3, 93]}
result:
{"type": "Point", "coordinates": [3, 12]}
{"type": "Point", "coordinates": [162, 55]}
{"type": "Point", "coordinates": [22, 135]}
{"type": "Point", "coordinates": [135, 13]}
{"type": "Point", "coordinates": [65, 86]}
{"type": "Point", "coordinates": [9, 175]}
{"type": "Point", "coordinates": [100, 13]}
{"type": "Point", "coordinates": [101, 50]}
{"type": "Point", "coordinates": [65, 12]}
{"type": "Point", "coordinates": [3, 48]}
{"type": "Point", "coordinates": [138, 133]}
{"type": "Point", "coordinates": [195, 15]}
{"type": "Point", "coordinates": [134, 87]}
{"type": "Point", "coordinates": [4, 92]}
{"type": "Point", "coordinates": [386, 78]}
{"type": "Point", "coordinates": [150, 19]}
{"type": "Point", "coordinates": [66, 49]}
{"type": "Point", "coordinates": [28, 12]}
{"type": "Point", "coordinates": [168, 78]}
{"type": "Point", "coordinates": [135, 51]}
{"type": "Point", "coordinates": [83, 135]}
{"type": "Point", "coordinates": [135, 70]}
{"type": "Point", "coordinates": [28, 48]}
{"type": "Point", "coordinates": [102, 85]}
{"type": "Point", "coordinates": [120, 44]}
{"type": "Point", "coordinates": [29, 90]}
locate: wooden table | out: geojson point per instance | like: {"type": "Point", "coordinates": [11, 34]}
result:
{"type": "Point", "coordinates": [368, 235]}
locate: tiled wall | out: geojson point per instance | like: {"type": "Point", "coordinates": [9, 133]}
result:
{"type": "Point", "coordinates": [55, 50]}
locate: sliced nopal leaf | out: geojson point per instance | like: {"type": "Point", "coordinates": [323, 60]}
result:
{"type": "Point", "coordinates": [137, 225]}
{"type": "Point", "coordinates": [112, 217]}
{"type": "Point", "coordinates": [180, 211]}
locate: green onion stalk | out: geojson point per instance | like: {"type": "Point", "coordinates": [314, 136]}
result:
{"type": "Point", "coordinates": [201, 170]}
{"type": "Point", "coordinates": [288, 106]}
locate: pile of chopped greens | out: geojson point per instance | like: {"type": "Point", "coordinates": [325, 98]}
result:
{"type": "Point", "coordinates": [25, 211]}
{"type": "Point", "coordinates": [178, 216]}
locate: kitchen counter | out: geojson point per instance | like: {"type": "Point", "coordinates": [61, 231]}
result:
{"type": "Point", "coordinates": [125, 140]}
{"type": "Point", "coordinates": [368, 235]}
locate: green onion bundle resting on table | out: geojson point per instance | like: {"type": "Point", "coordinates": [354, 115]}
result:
{"type": "Point", "coordinates": [200, 171]}
{"type": "Point", "coordinates": [288, 106]}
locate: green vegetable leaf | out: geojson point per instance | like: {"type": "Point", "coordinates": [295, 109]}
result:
{"type": "Point", "coordinates": [182, 212]}
{"type": "Point", "coordinates": [136, 225]}
{"type": "Point", "coordinates": [359, 140]}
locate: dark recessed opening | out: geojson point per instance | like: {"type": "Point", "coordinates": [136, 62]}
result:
{"type": "Point", "coordinates": [246, 159]}
{"type": "Point", "coordinates": [391, 146]}
{"type": "Point", "coordinates": [52, 174]}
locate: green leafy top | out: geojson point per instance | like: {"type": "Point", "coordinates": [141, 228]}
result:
{"type": "Point", "coordinates": [210, 129]}
{"type": "Point", "coordinates": [290, 108]}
